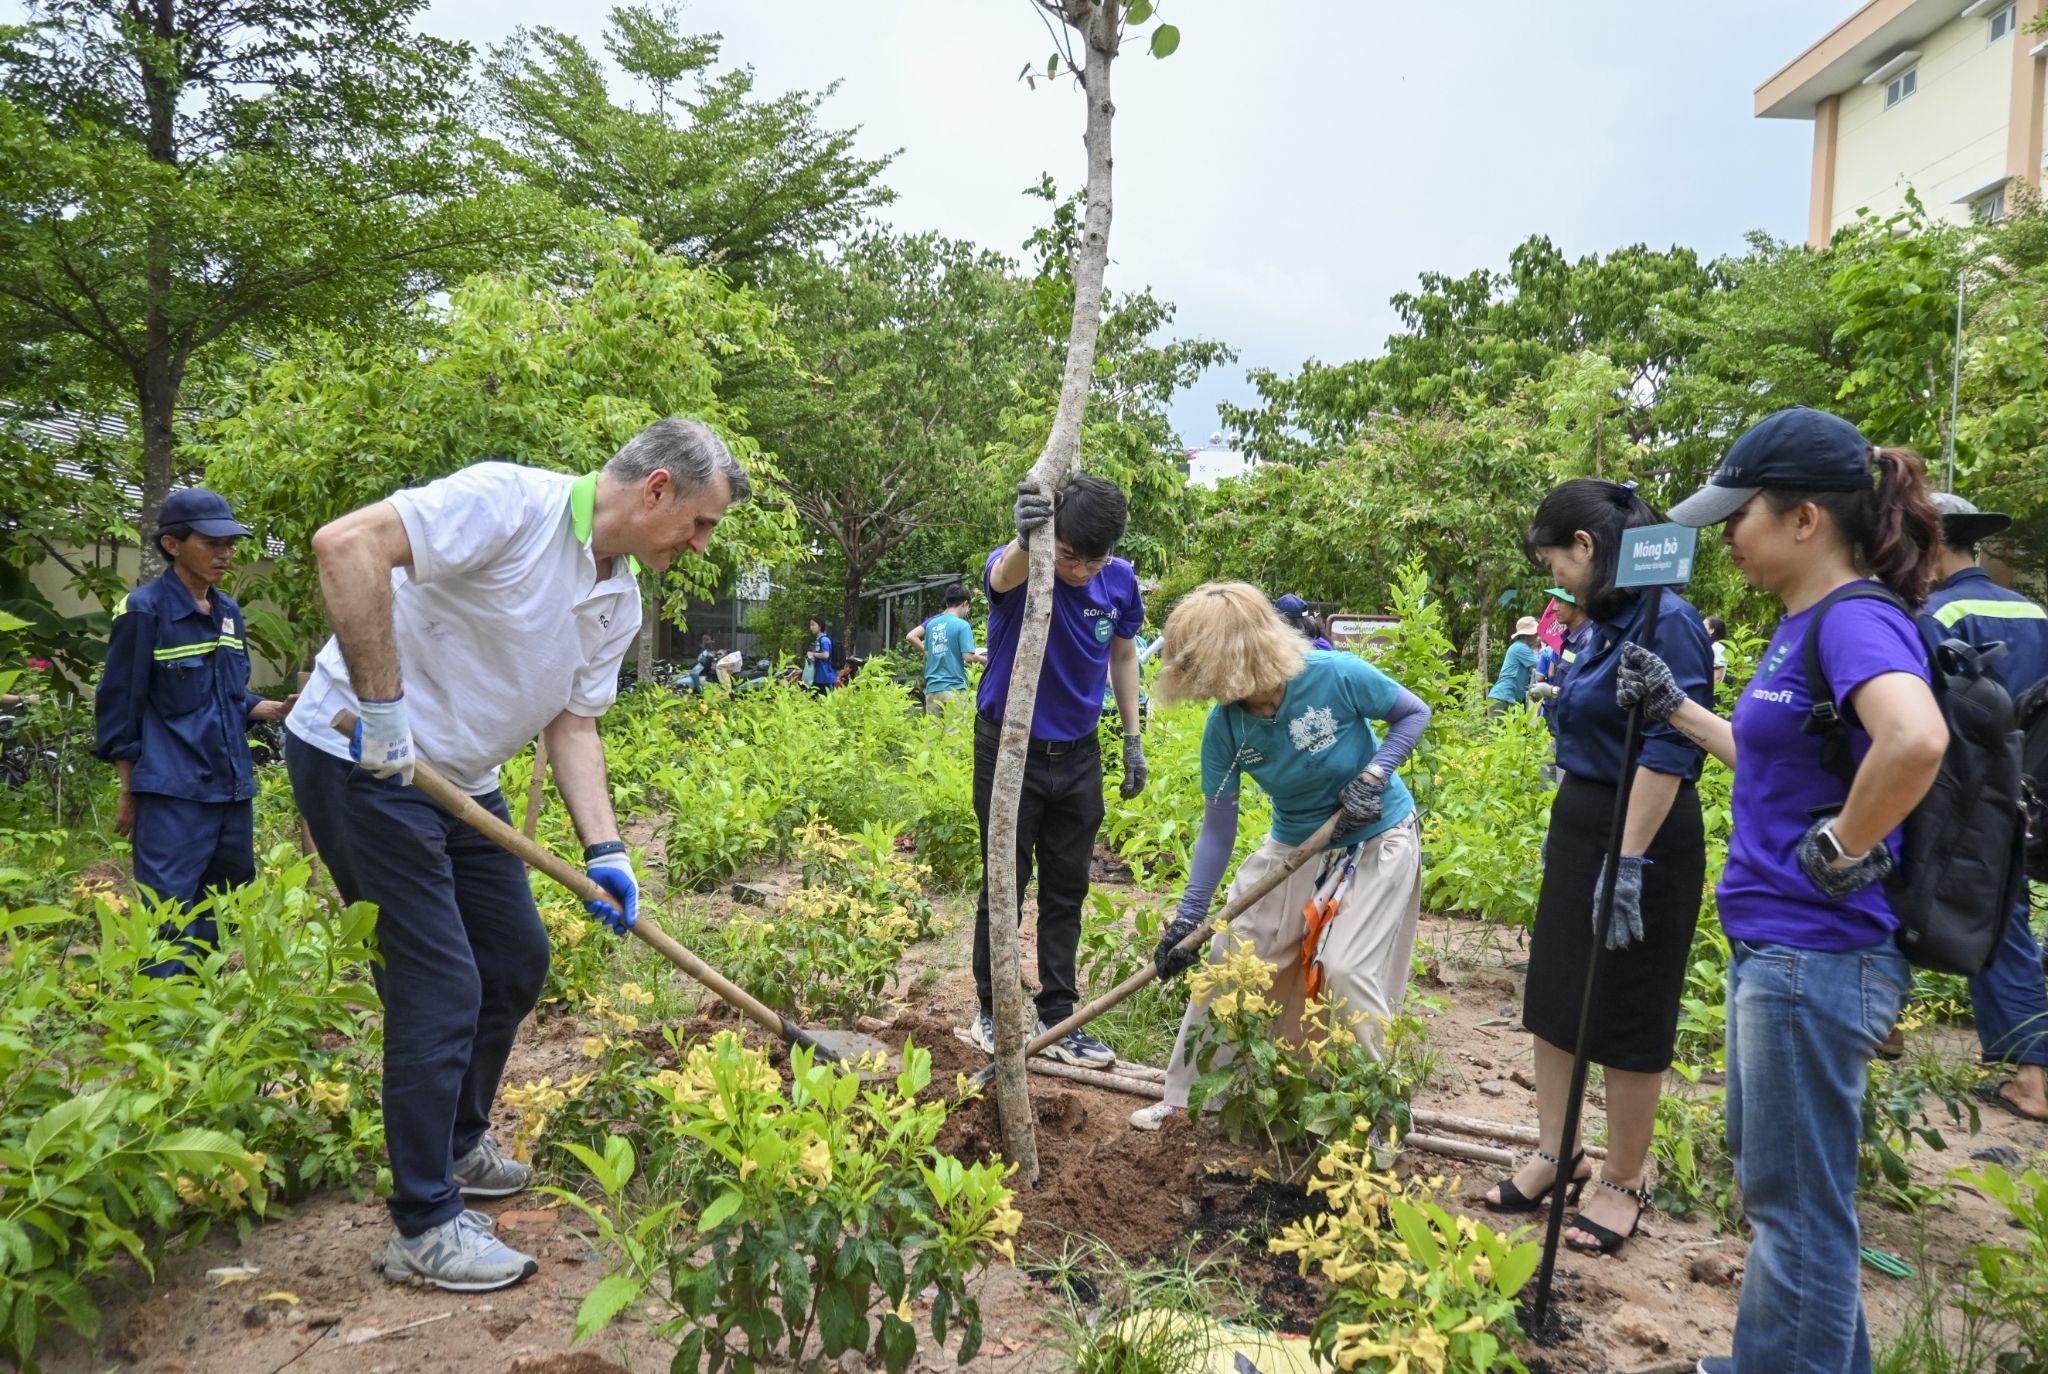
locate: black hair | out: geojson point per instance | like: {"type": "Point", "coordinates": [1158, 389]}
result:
{"type": "Point", "coordinates": [1716, 627]}
{"type": "Point", "coordinates": [178, 532]}
{"type": "Point", "coordinates": [1092, 514]}
{"type": "Point", "coordinates": [1310, 625]}
{"type": "Point", "coordinates": [1604, 511]}
{"type": "Point", "coordinates": [956, 594]}
{"type": "Point", "coordinates": [1892, 527]}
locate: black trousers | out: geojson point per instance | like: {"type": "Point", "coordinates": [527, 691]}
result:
{"type": "Point", "coordinates": [464, 956]}
{"type": "Point", "coordinates": [1058, 815]}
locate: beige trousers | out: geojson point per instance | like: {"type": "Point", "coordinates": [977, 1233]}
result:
{"type": "Point", "coordinates": [1365, 960]}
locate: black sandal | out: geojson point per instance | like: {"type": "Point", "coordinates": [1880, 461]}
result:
{"type": "Point", "coordinates": [1610, 1242]}
{"type": "Point", "coordinates": [1512, 1200]}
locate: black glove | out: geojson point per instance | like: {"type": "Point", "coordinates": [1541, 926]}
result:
{"type": "Point", "coordinates": [1135, 771]}
{"type": "Point", "coordinates": [1363, 800]}
{"type": "Point", "coordinates": [1034, 510]}
{"type": "Point", "coordinates": [1642, 677]}
{"type": "Point", "coordinates": [1873, 867]}
{"type": "Point", "coordinates": [1172, 962]}
{"type": "Point", "coordinates": [1627, 926]}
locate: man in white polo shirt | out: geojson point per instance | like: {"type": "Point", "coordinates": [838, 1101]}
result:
{"type": "Point", "coordinates": [469, 615]}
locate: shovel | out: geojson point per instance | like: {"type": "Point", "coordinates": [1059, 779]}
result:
{"type": "Point", "coordinates": [1243, 902]}
{"type": "Point", "coordinates": [836, 1045]}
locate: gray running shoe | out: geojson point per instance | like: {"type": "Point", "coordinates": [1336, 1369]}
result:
{"type": "Point", "coordinates": [483, 1172]}
{"type": "Point", "coordinates": [984, 1032]}
{"type": "Point", "coordinates": [460, 1255]}
{"type": "Point", "coordinates": [1078, 1048]}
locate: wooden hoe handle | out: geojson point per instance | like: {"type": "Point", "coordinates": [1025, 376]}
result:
{"type": "Point", "coordinates": [1243, 902]}
{"type": "Point", "coordinates": [465, 808]}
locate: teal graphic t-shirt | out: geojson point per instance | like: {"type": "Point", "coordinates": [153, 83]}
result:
{"type": "Point", "coordinates": [1319, 739]}
{"type": "Point", "coordinates": [1515, 668]}
{"type": "Point", "coordinates": [947, 641]}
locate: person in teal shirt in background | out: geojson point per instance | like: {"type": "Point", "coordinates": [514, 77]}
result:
{"type": "Point", "coordinates": [947, 642]}
{"type": "Point", "coordinates": [1512, 686]}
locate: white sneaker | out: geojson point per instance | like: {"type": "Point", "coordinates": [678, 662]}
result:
{"type": "Point", "coordinates": [485, 1172]}
{"type": "Point", "coordinates": [1153, 1117]}
{"type": "Point", "coordinates": [460, 1255]}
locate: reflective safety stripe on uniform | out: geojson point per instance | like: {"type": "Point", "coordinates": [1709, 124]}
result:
{"type": "Point", "coordinates": [204, 646]}
{"type": "Point", "coordinates": [1949, 614]}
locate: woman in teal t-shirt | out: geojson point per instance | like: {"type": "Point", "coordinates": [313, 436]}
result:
{"type": "Point", "coordinates": [1300, 722]}
{"type": "Point", "coordinates": [1512, 686]}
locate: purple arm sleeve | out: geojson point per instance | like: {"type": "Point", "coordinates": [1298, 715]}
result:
{"type": "Point", "coordinates": [1406, 720]}
{"type": "Point", "coordinates": [1211, 857]}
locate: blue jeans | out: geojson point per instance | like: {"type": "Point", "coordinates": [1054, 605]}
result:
{"type": "Point", "coordinates": [462, 957]}
{"type": "Point", "coordinates": [2011, 999]}
{"type": "Point", "coordinates": [1802, 1025]}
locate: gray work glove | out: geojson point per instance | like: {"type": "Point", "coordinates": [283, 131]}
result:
{"type": "Point", "coordinates": [1363, 800]}
{"type": "Point", "coordinates": [1627, 926]}
{"type": "Point", "coordinates": [1172, 962]}
{"type": "Point", "coordinates": [1873, 867]}
{"type": "Point", "coordinates": [1135, 772]}
{"type": "Point", "coordinates": [1034, 510]}
{"type": "Point", "coordinates": [1643, 678]}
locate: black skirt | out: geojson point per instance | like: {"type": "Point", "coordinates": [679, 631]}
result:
{"type": "Point", "coordinates": [1635, 1000]}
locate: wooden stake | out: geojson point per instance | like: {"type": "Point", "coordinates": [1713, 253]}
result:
{"type": "Point", "coordinates": [535, 790]}
{"type": "Point", "coordinates": [1094, 1078]}
{"type": "Point", "coordinates": [1488, 1130]}
{"type": "Point", "coordinates": [1458, 1149]}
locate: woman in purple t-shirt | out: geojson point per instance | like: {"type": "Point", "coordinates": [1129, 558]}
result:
{"type": "Point", "coordinates": [1815, 981]}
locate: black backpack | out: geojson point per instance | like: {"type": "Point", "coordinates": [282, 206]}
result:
{"type": "Point", "coordinates": [2031, 710]}
{"type": "Point", "coordinates": [1962, 867]}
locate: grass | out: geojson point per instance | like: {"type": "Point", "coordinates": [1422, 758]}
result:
{"type": "Point", "coordinates": [1121, 1317]}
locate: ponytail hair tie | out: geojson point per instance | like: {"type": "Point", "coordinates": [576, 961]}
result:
{"type": "Point", "coordinates": [1623, 495]}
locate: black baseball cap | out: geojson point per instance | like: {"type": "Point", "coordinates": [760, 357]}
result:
{"type": "Point", "coordinates": [204, 512]}
{"type": "Point", "coordinates": [1800, 449]}
{"type": "Point", "coordinates": [1963, 525]}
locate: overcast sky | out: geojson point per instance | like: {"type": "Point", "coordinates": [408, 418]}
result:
{"type": "Point", "coordinates": [1280, 180]}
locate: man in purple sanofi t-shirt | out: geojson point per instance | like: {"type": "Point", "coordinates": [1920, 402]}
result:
{"type": "Point", "coordinates": [1814, 978]}
{"type": "Point", "coordinates": [1096, 612]}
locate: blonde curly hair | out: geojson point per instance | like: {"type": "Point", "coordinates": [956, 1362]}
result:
{"type": "Point", "coordinates": [1225, 642]}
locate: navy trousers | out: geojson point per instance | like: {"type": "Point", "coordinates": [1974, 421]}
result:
{"type": "Point", "coordinates": [464, 956]}
{"type": "Point", "coordinates": [185, 849]}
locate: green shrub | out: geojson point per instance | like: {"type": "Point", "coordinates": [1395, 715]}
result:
{"type": "Point", "coordinates": [132, 1107]}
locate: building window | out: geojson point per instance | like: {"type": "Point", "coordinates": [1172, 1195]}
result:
{"type": "Point", "coordinates": [1901, 86]}
{"type": "Point", "coordinates": [2001, 25]}
{"type": "Point", "coordinates": [1989, 209]}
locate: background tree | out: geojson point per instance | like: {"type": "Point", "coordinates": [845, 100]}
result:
{"type": "Point", "coordinates": [708, 169]}
{"type": "Point", "coordinates": [194, 175]}
{"type": "Point", "coordinates": [886, 406]}
{"type": "Point", "coordinates": [551, 368]}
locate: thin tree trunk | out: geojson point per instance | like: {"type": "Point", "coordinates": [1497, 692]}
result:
{"type": "Point", "coordinates": [1098, 23]}
{"type": "Point", "coordinates": [1484, 612]}
{"type": "Point", "coordinates": [158, 376]}
{"type": "Point", "coordinates": [644, 661]}
{"type": "Point", "coordinates": [536, 789]}
{"type": "Point", "coordinates": [850, 588]}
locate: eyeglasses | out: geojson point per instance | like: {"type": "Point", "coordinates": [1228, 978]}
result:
{"type": "Point", "coordinates": [1067, 557]}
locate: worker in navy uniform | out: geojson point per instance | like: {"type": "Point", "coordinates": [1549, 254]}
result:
{"type": "Point", "coordinates": [173, 709]}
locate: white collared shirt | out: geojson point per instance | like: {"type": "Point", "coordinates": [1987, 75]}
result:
{"type": "Point", "coordinates": [501, 624]}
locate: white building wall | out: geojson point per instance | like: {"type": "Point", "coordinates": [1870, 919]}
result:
{"type": "Point", "coordinates": [1946, 140]}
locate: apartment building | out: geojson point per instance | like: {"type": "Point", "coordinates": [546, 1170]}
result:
{"type": "Point", "coordinates": [1943, 96]}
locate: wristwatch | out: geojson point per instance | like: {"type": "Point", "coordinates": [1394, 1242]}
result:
{"type": "Point", "coordinates": [593, 852]}
{"type": "Point", "coordinates": [1831, 849]}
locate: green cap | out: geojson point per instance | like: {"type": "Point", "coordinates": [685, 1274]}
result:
{"type": "Point", "coordinates": [1561, 594]}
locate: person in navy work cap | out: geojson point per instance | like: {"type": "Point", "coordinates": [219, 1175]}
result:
{"type": "Point", "coordinates": [173, 709]}
{"type": "Point", "coordinates": [2009, 998]}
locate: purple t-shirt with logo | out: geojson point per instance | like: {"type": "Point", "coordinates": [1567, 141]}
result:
{"type": "Point", "coordinates": [1779, 780]}
{"type": "Point", "coordinates": [1084, 620]}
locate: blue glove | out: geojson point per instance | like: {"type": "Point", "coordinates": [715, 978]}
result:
{"type": "Point", "coordinates": [614, 873]}
{"type": "Point", "coordinates": [382, 742]}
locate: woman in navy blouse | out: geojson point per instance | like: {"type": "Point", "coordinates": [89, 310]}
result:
{"type": "Point", "coordinates": [1577, 535]}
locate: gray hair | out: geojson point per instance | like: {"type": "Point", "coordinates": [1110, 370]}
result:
{"type": "Point", "coordinates": [687, 450]}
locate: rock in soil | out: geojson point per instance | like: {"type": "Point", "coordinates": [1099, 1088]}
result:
{"type": "Point", "coordinates": [1640, 1331]}
{"type": "Point", "coordinates": [1524, 1078]}
{"type": "Point", "coordinates": [1493, 1087]}
{"type": "Point", "coordinates": [1715, 1269]}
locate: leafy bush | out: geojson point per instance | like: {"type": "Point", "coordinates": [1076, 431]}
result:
{"type": "Point", "coordinates": [133, 1107]}
{"type": "Point", "coordinates": [828, 949]}
{"type": "Point", "coordinates": [2009, 1285]}
{"type": "Point", "coordinates": [1118, 936]}
{"type": "Point", "coordinates": [1287, 1095]}
{"type": "Point", "coordinates": [823, 1207]}
{"type": "Point", "coordinates": [1694, 1172]}
{"type": "Point", "coordinates": [1410, 1286]}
